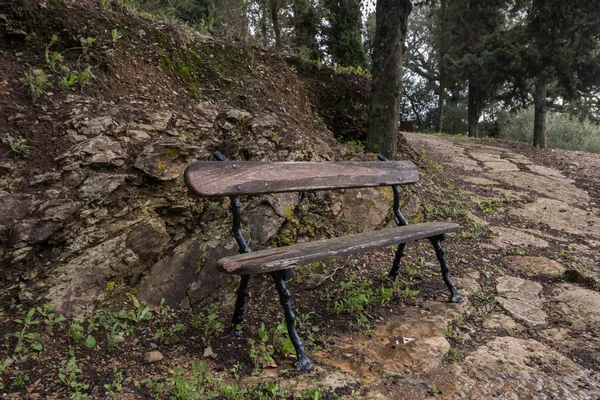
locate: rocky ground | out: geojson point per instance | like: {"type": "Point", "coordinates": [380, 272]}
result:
{"type": "Point", "coordinates": [97, 223]}
{"type": "Point", "coordinates": [529, 328]}
{"type": "Point", "coordinates": [526, 263]}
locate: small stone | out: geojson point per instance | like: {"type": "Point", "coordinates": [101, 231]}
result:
{"type": "Point", "coordinates": [207, 352]}
{"type": "Point", "coordinates": [153, 346]}
{"type": "Point", "coordinates": [153, 356]}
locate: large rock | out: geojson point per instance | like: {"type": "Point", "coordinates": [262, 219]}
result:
{"type": "Point", "coordinates": [515, 369]}
{"type": "Point", "coordinates": [51, 216]}
{"type": "Point", "coordinates": [98, 186]}
{"type": "Point", "coordinates": [577, 306]}
{"type": "Point", "coordinates": [547, 186]}
{"type": "Point", "coordinates": [534, 266]}
{"type": "Point", "coordinates": [76, 285]}
{"type": "Point", "coordinates": [170, 277]}
{"type": "Point", "coordinates": [14, 208]}
{"type": "Point", "coordinates": [520, 297]}
{"type": "Point", "coordinates": [411, 342]}
{"type": "Point", "coordinates": [263, 223]}
{"type": "Point", "coordinates": [365, 209]}
{"type": "Point", "coordinates": [562, 216]}
{"type": "Point", "coordinates": [209, 280]}
{"type": "Point", "coordinates": [148, 239]}
{"type": "Point", "coordinates": [99, 151]}
{"type": "Point", "coordinates": [166, 160]}
{"type": "Point", "coordinates": [512, 238]}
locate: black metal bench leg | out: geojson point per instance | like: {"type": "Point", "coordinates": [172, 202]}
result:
{"type": "Point", "coordinates": [439, 253]}
{"type": "Point", "coordinates": [240, 306]}
{"type": "Point", "coordinates": [396, 266]}
{"type": "Point", "coordinates": [304, 362]}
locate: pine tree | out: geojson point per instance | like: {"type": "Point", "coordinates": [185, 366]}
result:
{"type": "Point", "coordinates": [564, 38]}
{"type": "Point", "coordinates": [343, 36]}
{"type": "Point", "coordinates": [307, 21]}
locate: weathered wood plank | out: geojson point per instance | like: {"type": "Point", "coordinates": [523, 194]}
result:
{"type": "Point", "coordinates": [305, 253]}
{"type": "Point", "coordinates": [227, 178]}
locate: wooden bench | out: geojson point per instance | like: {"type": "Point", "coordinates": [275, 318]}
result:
{"type": "Point", "coordinates": [235, 178]}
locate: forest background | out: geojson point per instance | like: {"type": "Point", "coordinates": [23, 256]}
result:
{"type": "Point", "coordinates": [526, 70]}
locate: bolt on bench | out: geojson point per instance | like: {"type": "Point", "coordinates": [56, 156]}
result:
{"type": "Point", "coordinates": [234, 178]}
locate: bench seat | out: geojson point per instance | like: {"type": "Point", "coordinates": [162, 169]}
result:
{"type": "Point", "coordinates": [280, 258]}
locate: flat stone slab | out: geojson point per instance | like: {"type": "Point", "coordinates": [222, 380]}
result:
{"type": "Point", "coordinates": [387, 354]}
{"type": "Point", "coordinates": [485, 157]}
{"type": "Point", "coordinates": [521, 299]}
{"type": "Point", "coordinates": [479, 181]}
{"type": "Point", "coordinates": [577, 306]}
{"type": "Point", "coordinates": [511, 368]}
{"type": "Point", "coordinates": [500, 321]}
{"type": "Point", "coordinates": [501, 165]}
{"type": "Point", "coordinates": [554, 188]}
{"type": "Point", "coordinates": [509, 238]}
{"type": "Point", "coordinates": [533, 266]}
{"type": "Point", "coordinates": [560, 215]}
{"type": "Point", "coordinates": [545, 171]}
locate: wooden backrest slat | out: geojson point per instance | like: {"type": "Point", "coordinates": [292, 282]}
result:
{"type": "Point", "coordinates": [231, 178]}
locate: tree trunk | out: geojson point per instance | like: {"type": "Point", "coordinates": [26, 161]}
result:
{"type": "Point", "coordinates": [473, 111]}
{"type": "Point", "coordinates": [386, 87]}
{"type": "Point", "coordinates": [274, 8]}
{"type": "Point", "coordinates": [441, 52]}
{"type": "Point", "coordinates": [539, 119]}
{"type": "Point", "coordinates": [441, 103]}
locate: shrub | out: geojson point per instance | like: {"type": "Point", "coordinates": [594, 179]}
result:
{"type": "Point", "coordinates": [564, 131]}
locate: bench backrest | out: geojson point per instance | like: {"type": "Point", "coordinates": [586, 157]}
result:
{"type": "Point", "coordinates": [232, 178]}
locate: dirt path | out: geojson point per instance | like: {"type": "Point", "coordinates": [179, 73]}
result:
{"type": "Point", "coordinates": [530, 327]}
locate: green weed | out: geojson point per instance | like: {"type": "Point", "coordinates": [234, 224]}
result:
{"type": "Point", "coordinates": [208, 322]}
{"type": "Point", "coordinates": [37, 81]}
{"type": "Point", "coordinates": [115, 35]}
{"type": "Point", "coordinates": [17, 145]}
{"type": "Point", "coordinates": [69, 373]}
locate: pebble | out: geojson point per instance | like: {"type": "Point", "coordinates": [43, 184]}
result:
{"type": "Point", "coordinates": [153, 356]}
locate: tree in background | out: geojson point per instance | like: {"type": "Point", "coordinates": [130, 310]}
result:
{"type": "Point", "coordinates": [564, 38]}
{"type": "Point", "coordinates": [386, 86]}
{"type": "Point", "coordinates": [343, 35]}
{"type": "Point", "coordinates": [307, 22]}
{"type": "Point", "coordinates": [474, 46]}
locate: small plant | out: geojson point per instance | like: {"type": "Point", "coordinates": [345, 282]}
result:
{"type": "Point", "coordinates": [474, 233]}
{"type": "Point", "coordinates": [38, 82]}
{"type": "Point", "coordinates": [453, 355]}
{"type": "Point", "coordinates": [260, 353]}
{"type": "Point", "coordinates": [68, 81]}
{"type": "Point", "coordinates": [116, 386]}
{"type": "Point", "coordinates": [105, 4]}
{"type": "Point", "coordinates": [85, 76]}
{"type": "Point", "coordinates": [115, 35]}
{"type": "Point", "coordinates": [434, 391]}
{"type": "Point", "coordinates": [483, 297]}
{"type": "Point", "coordinates": [559, 255]}
{"type": "Point", "coordinates": [520, 252]}
{"type": "Point", "coordinates": [281, 342]}
{"type": "Point", "coordinates": [448, 331]}
{"type": "Point", "coordinates": [27, 341]}
{"type": "Point", "coordinates": [49, 317]}
{"type": "Point", "coordinates": [312, 394]}
{"type": "Point", "coordinates": [17, 145]}
{"type": "Point", "coordinates": [209, 322]}
{"type": "Point", "coordinates": [86, 43]}
{"type": "Point", "coordinates": [293, 68]}
{"type": "Point", "coordinates": [19, 381]}
{"type": "Point", "coordinates": [487, 206]}
{"type": "Point", "coordinates": [68, 373]}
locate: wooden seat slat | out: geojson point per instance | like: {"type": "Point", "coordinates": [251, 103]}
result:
{"type": "Point", "coordinates": [279, 258]}
{"type": "Point", "coordinates": [230, 178]}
